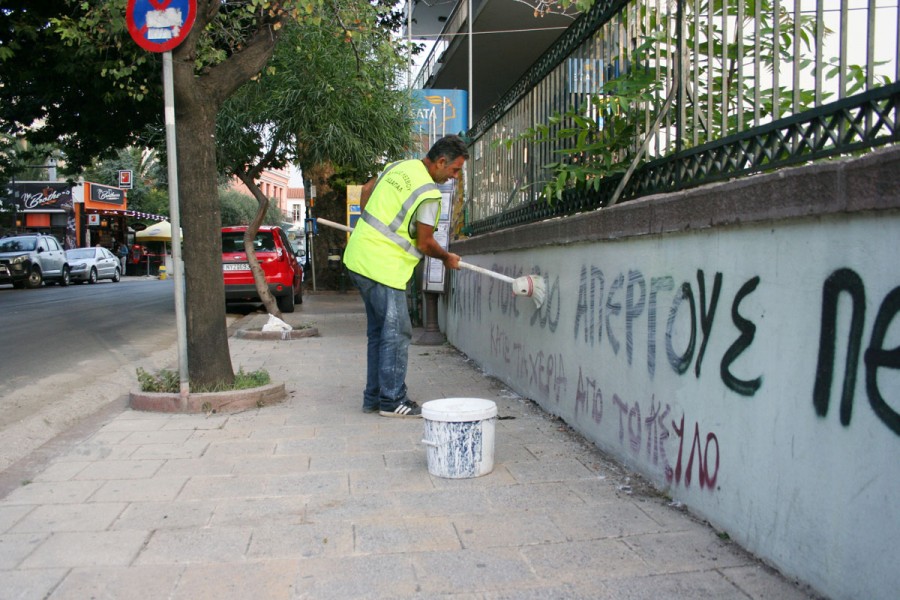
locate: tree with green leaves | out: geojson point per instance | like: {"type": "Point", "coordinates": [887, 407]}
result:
{"type": "Point", "coordinates": [70, 97]}
{"type": "Point", "coordinates": [229, 45]}
{"type": "Point", "coordinates": [240, 209]}
{"type": "Point", "coordinates": [325, 97]}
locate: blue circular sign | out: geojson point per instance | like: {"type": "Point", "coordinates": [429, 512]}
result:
{"type": "Point", "coordinates": [160, 25]}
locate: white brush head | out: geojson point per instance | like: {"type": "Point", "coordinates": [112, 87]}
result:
{"type": "Point", "coordinates": [524, 286]}
{"type": "Point", "coordinates": [530, 286]}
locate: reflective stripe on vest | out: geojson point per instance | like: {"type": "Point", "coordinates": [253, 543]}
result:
{"type": "Point", "coordinates": [391, 235]}
{"type": "Point", "coordinates": [390, 231]}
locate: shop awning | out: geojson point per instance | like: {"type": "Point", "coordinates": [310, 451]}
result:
{"type": "Point", "coordinates": [159, 232]}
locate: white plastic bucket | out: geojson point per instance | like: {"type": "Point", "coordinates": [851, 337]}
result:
{"type": "Point", "coordinates": [459, 436]}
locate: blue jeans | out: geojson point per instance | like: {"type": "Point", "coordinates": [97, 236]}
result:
{"type": "Point", "coordinates": [389, 332]}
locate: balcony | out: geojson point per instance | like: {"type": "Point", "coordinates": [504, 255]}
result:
{"type": "Point", "coordinates": [507, 38]}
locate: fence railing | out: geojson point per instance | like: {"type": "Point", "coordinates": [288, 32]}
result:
{"type": "Point", "coordinates": [713, 90]}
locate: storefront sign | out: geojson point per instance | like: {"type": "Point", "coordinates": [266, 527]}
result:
{"type": "Point", "coordinates": [106, 194]}
{"type": "Point", "coordinates": [41, 195]}
{"type": "Point", "coordinates": [439, 112]}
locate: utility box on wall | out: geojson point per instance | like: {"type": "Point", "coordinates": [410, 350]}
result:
{"type": "Point", "coordinates": [434, 279]}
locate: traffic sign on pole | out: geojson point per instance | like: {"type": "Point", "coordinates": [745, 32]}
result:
{"type": "Point", "coordinates": [160, 25]}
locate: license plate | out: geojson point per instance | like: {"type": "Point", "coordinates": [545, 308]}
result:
{"type": "Point", "coordinates": [236, 267]}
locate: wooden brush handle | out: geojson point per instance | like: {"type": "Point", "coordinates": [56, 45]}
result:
{"type": "Point", "coordinates": [483, 271]}
{"type": "Point", "coordinates": [334, 225]}
{"type": "Point", "coordinates": [462, 265]}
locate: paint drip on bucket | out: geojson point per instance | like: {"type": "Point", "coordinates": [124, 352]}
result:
{"type": "Point", "coordinates": [459, 436]}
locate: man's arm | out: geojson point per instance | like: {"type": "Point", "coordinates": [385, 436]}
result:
{"type": "Point", "coordinates": [366, 192]}
{"type": "Point", "coordinates": [430, 247]}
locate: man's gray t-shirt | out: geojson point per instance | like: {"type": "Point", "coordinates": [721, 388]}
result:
{"type": "Point", "coordinates": [426, 213]}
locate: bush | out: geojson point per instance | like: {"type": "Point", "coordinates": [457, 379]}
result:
{"type": "Point", "coordinates": [166, 381]}
{"type": "Point", "coordinates": [163, 381]}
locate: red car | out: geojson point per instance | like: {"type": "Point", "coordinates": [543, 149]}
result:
{"type": "Point", "coordinates": [273, 250]}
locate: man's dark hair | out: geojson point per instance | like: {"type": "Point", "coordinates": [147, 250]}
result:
{"type": "Point", "coordinates": [450, 147]}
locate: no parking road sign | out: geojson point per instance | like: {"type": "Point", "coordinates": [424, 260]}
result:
{"type": "Point", "coordinates": [160, 25]}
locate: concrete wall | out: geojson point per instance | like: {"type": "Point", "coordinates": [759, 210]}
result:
{"type": "Point", "coordinates": [738, 344]}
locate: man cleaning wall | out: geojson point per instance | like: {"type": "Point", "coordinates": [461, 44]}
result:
{"type": "Point", "coordinates": [400, 209]}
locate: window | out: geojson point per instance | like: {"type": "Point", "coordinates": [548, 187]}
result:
{"type": "Point", "coordinates": [234, 242]}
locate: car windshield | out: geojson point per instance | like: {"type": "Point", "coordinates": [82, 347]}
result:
{"type": "Point", "coordinates": [16, 244]}
{"type": "Point", "coordinates": [80, 253]}
{"type": "Point", "coordinates": [233, 241]}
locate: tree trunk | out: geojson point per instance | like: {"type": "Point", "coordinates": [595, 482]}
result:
{"type": "Point", "coordinates": [329, 242]}
{"type": "Point", "coordinates": [209, 358]}
{"type": "Point", "coordinates": [198, 98]}
{"type": "Point", "coordinates": [259, 276]}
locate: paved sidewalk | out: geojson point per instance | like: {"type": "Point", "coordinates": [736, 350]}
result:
{"type": "Point", "coordinates": [312, 498]}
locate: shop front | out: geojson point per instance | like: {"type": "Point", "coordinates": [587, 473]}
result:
{"type": "Point", "coordinates": [47, 207]}
{"type": "Point", "coordinates": [102, 221]}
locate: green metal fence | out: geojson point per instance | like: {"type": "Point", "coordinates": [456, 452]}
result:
{"type": "Point", "coordinates": [648, 96]}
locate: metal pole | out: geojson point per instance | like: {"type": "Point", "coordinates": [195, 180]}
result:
{"type": "Point", "coordinates": [312, 255]}
{"type": "Point", "coordinates": [15, 204]}
{"type": "Point", "coordinates": [178, 267]}
{"type": "Point", "coordinates": [470, 19]}
{"type": "Point", "coordinates": [431, 336]}
{"type": "Point", "coordinates": [409, 62]}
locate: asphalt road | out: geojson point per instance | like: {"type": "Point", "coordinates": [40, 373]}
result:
{"type": "Point", "coordinates": [67, 352]}
{"type": "Point", "coordinates": [54, 329]}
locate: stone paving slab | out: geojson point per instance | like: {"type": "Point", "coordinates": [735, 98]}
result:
{"type": "Point", "coordinates": [312, 498]}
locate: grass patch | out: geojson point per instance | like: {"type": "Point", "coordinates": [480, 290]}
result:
{"type": "Point", "coordinates": [166, 381]}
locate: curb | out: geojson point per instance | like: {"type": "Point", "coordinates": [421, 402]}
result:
{"type": "Point", "coordinates": [293, 334]}
{"type": "Point", "coordinates": [228, 401]}
{"type": "Point", "coordinates": [208, 402]}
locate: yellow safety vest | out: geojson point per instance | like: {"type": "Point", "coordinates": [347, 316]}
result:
{"type": "Point", "coordinates": [380, 247]}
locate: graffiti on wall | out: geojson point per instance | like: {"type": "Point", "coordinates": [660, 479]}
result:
{"type": "Point", "coordinates": [644, 436]}
{"type": "Point", "coordinates": [613, 311]}
{"type": "Point", "coordinates": [630, 298]}
{"type": "Point", "coordinates": [544, 371]}
{"type": "Point", "coordinates": [847, 283]}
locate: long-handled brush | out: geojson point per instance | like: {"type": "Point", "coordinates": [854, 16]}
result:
{"type": "Point", "coordinates": [528, 286]}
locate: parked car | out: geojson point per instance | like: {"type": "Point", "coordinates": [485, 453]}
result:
{"type": "Point", "coordinates": [284, 274]}
{"type": "Point", "coordinates": [29, 259]}
{"type": "Point", "coordinates": [93, 264]}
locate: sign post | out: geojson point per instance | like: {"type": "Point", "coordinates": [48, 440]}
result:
{"type": "Point", "coordinates": [159, 26]}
